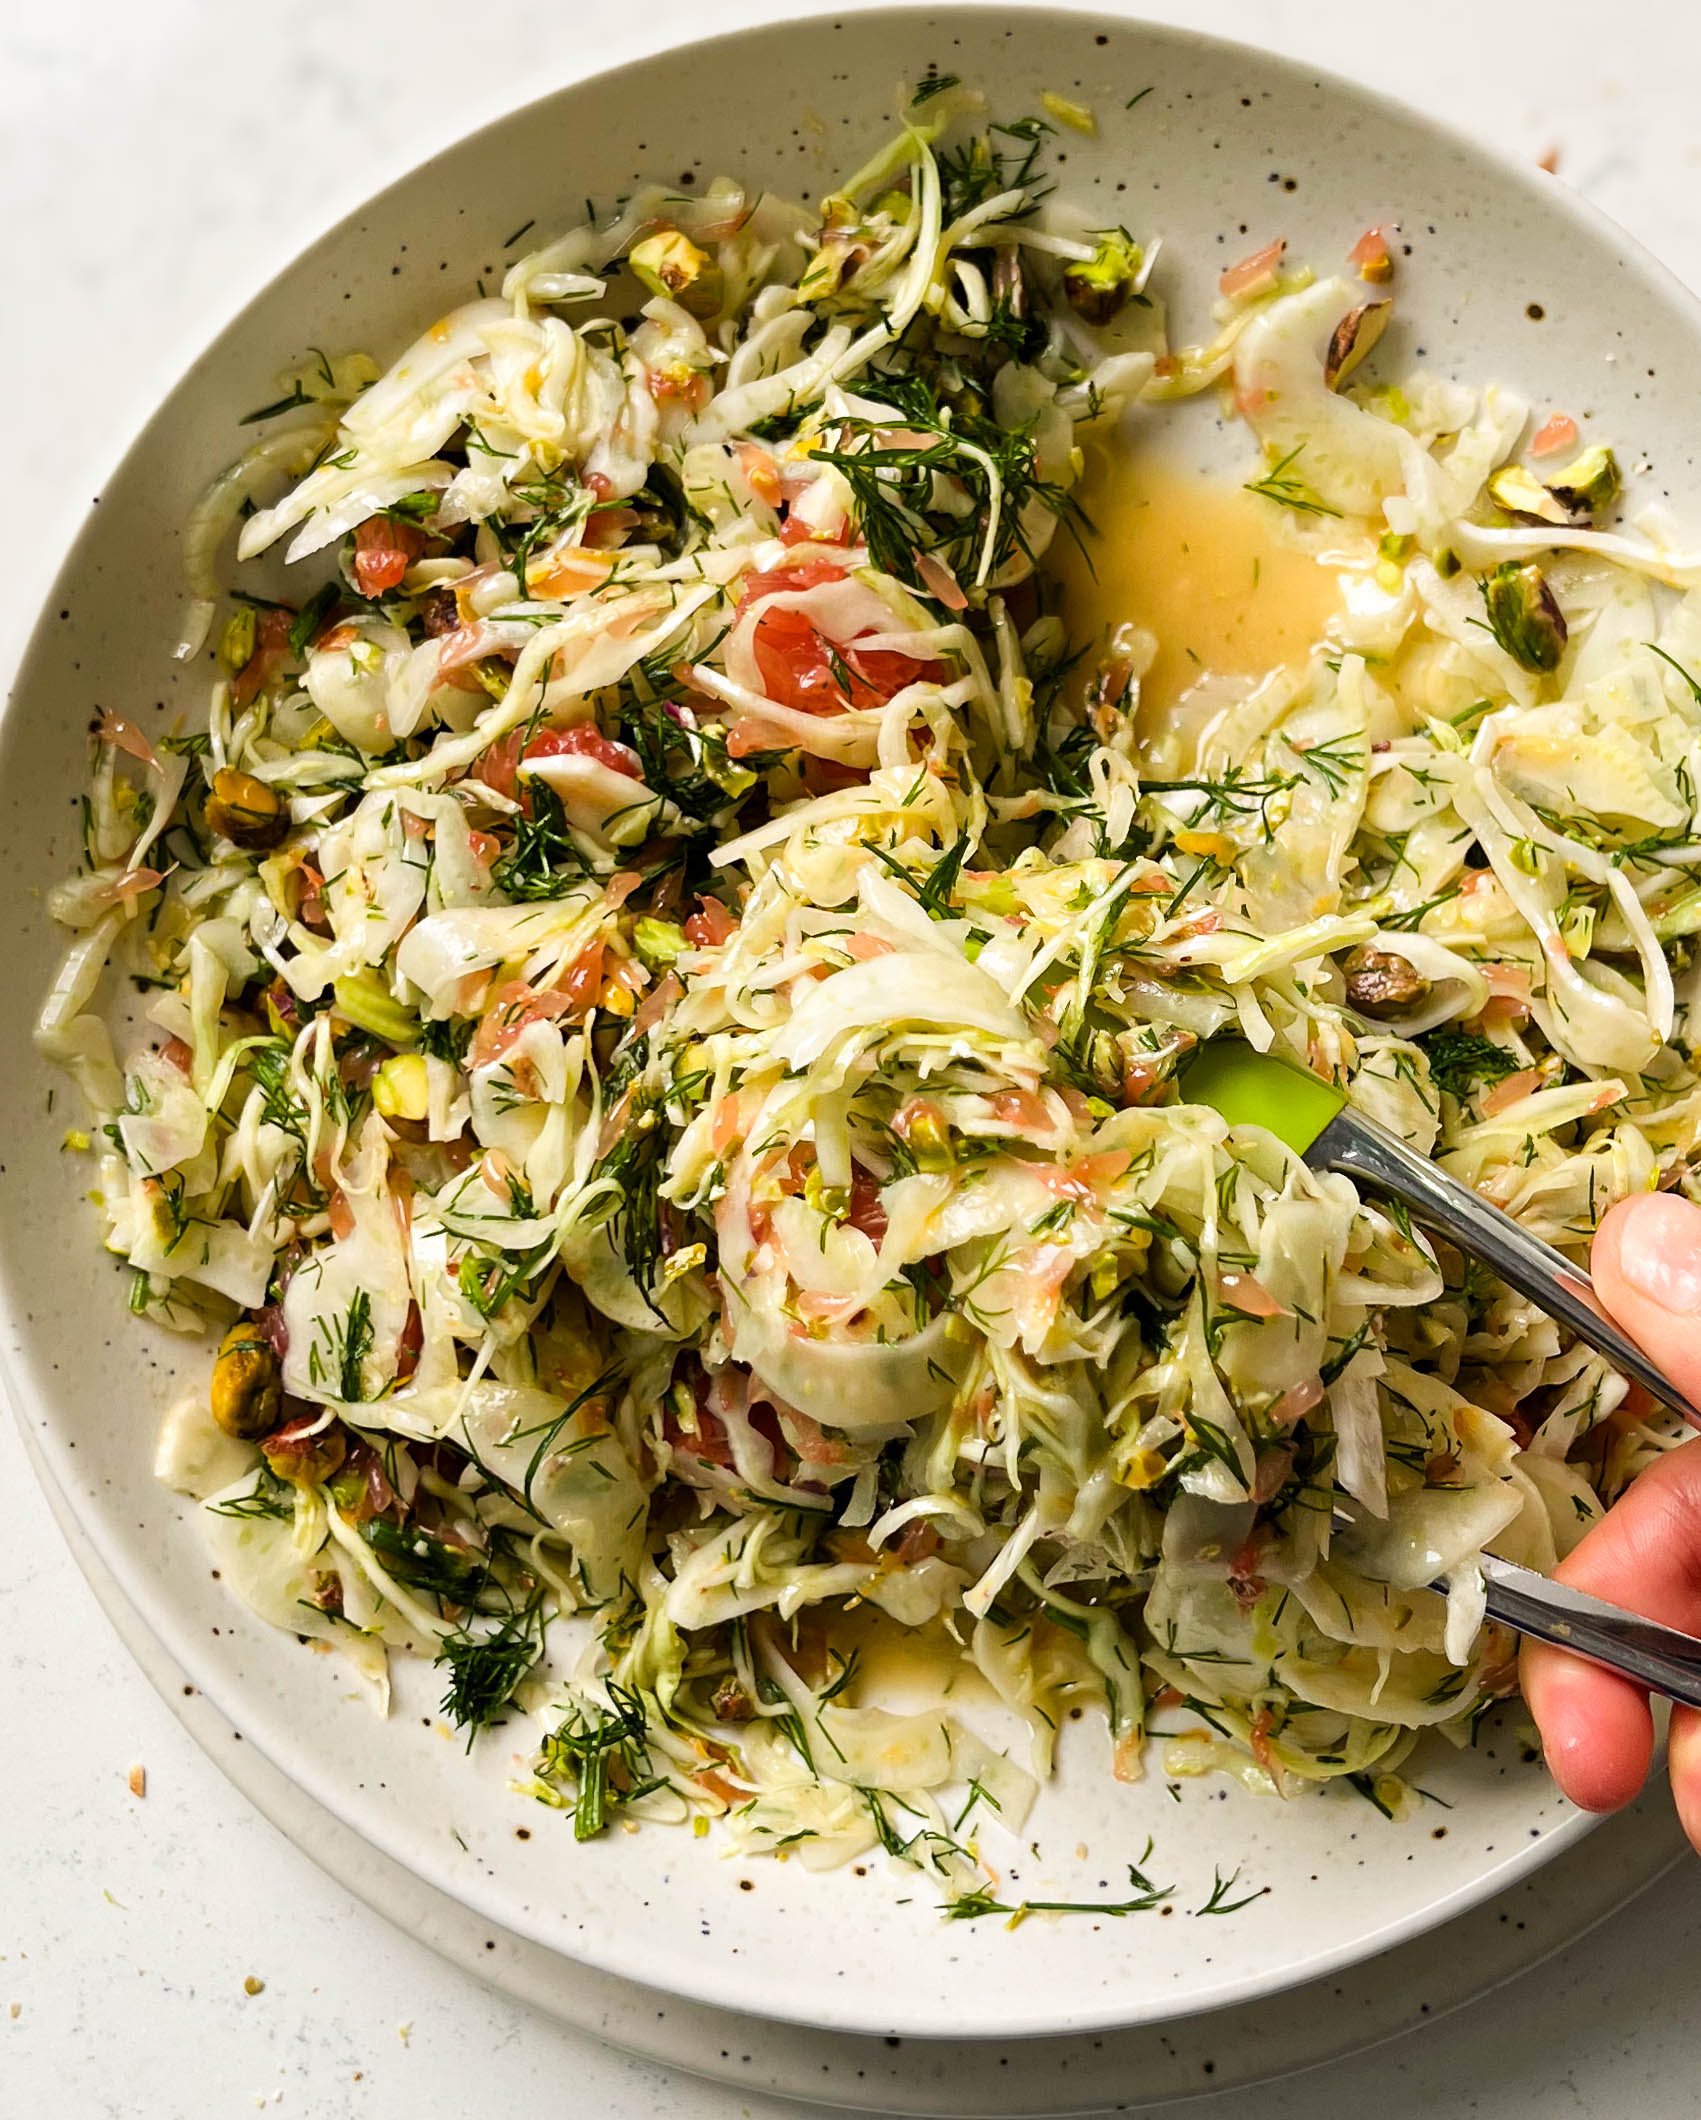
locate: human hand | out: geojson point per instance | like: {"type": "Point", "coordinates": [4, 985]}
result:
{"type": "Point", "coordinates": [1645, 1554]}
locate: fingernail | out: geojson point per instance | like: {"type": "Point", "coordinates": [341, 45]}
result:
{"type": "Point", "coordinates": [1659, 1253]}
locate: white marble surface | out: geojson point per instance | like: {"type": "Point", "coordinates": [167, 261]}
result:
{"type": "Point", "coordinates": [157, 163]}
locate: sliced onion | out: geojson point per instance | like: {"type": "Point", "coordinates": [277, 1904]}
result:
{"type": "Point", "coordinates": [286, 454]}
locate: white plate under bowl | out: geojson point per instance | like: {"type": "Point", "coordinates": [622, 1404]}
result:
{"type": "Point", "coordinates": [1502, 275]}
{"type": "Point", "coordinates": [1226, 2050]}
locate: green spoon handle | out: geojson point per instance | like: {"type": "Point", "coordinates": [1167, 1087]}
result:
{"type": "Point", "coordinates": [1381, 1162]}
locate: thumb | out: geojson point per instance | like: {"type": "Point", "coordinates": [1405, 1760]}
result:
{"type": "Point", "coordinates": [1646, 1264]}
{"type": "Point", "coordinates": [1646, 1552]}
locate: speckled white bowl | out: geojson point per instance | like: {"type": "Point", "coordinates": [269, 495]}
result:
{"type": "Point", "coordinates": [1506, 275]}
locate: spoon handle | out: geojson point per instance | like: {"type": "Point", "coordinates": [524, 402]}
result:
{"type": "Point", "coordinates": [1657, 1657]}
{"type": "Point", "coordinates": [1381, 1162]}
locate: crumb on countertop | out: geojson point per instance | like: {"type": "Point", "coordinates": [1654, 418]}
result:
{"type": "Point", "coordinates": [137, 1781]}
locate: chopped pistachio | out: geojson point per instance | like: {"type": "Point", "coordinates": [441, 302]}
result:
{"type": "Point", "coordinates": [1141, 1468]}
{"type": "Point", "coordinates": [1572, 496]}
{"type": "Point", "coordinates": [825, 271]}
{"type": "Point", "coordinates": [1390, 402]}
{"type": "Point", "coordinates": [670, 264]}
{"type": "Point", "coordinates": [245, 811]}
{"type": "Point", "coordinates": [684, 1261]}
{"type": "Point", "coordinates": [1514, 489]}
{"type": "Point", "coordinates": [246, 1393]}
{"type": "Point", "coordinates": [1217, 846]}
{"type": "Point", "coordinates": [1100, 287]}
{"type": "Point", "coordinates": [929, 1141]}
{"type": "Point", "coordinates": [1104, 1276]}
{"type": "Point", "coordinates": [1381, 982]}
{"type": "Point", "coordinates": [236, 643]}
{"type": "Point", "coordinates": [401, 1089]}
{"type": "Point", "coordinates": [1682, 917]}
{"type": "Point", "coordinates": [1577, 929]}
{"type": "Point", "coordinates": [830, 1200]}
{"type": "Point", "coordinates": [370, 1006]}
{"type": "Point", "coordinates": [280, 1014]}
{"type": "Point", "coordinates": [1447, 563]}
{"type": "Point", "coordinates": [658, 942]}
{"type": "Point", "coordinates": [309, 1460]}
{"type": "Point", "coordinates": [731, 1703]}
{"type": "Point", "coordinates": [1076, 116]}
{"type": "Point", "coordinates": [1355, 337]}
{"type": "Point", "coordinates": [1524, 616]}
{"type": "Point", "coordinates": [1104, 1061]}
{"type": "Point", "coordinates": [1375, 260]}
{"type": "Point", "coordinates": [1589, 485]}
{"type": "Point", "coordinates": [1395, 545]}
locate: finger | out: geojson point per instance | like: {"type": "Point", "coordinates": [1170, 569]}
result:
{"type": "Point", "coordinates": [1684, 1761]}
{"type": "Point", "coordinates": [1644, 1554]}
{"type": "Point", "coordinates": [1646, 1264]}
{"type": "Point", "coordinates": [1646, 1551]}
{"type": "Point", "coordinates": [1597, 1733]}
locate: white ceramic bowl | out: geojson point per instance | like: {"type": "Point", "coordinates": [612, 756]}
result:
{"type": "Point", "coordinates": [1504, 275]}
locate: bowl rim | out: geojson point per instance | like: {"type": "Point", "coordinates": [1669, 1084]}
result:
{"type": "Point", "coordinates": [147, 1589]}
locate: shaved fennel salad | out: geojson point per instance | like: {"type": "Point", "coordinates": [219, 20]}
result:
{"type": "Point", "coordinates": [663, 971]}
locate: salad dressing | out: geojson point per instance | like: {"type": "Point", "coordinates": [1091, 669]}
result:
{"type": "Point", "coordinates": [1197, 562]}
{"type": "Point", "coordinates": [908, 1669]}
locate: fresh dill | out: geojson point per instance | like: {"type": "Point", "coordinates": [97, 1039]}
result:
{"type": "Point", "coordinates": [447, 1038]}
{"type": "Point", "coordinates": [1365, 1785]}
{"type": "Point", "coordinates": [605, 1752]}
{"type": "Point", "coordinates": [484, 1668]}
{"type": "Point", "coordinates": [980, 169]}
{"type": "Point", "coordinates": [420, 1560]}
{"type": "Point", "coordinates": [1219, 1901]}
{"type": "Point", "coordinates": [297, 396]}
{"type": "Point", "coordinates": [310, 619]}
{"type": "Point", "coordinates": [947, 443]}
{"type": "Point", "coordinates": [932, 891]}
{"type": "Point", "coordinates": [973, 1906]}
{"type": "Point", "coordinates": [1688, 676]}
{"type": "Point", "coordinates": [933, 85]}
{"type": "Point", "coordinates": [1282, 484]}
{"type": "Point", "coordinates": [543, 857]}
{"type": "Point", "coordinates": [1459, 1059]}
{"type": "Point", "coordinates": [268, 1497]}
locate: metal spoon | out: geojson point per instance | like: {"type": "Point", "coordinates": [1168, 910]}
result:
{"type": "Point", "coordinates": [1657, 1657]}
{"type": "Point", "coordinates": [1316, 1122]}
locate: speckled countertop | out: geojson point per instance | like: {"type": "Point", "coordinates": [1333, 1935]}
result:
{"type": "Point", "coordinates": [168, 1953]}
